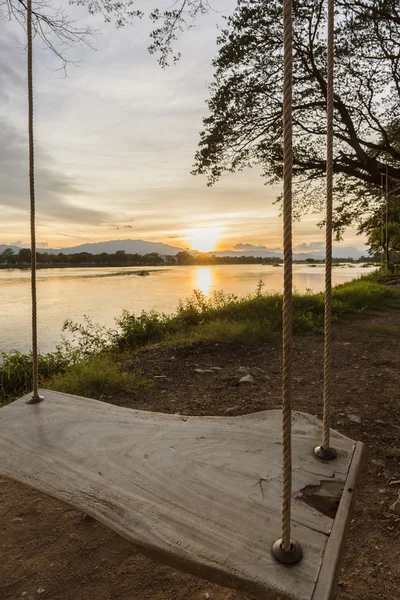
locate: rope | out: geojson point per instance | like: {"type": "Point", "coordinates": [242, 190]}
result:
{"type": "Point", "coordinates": [329, 207]}
{"type": "Point", "coordinates": [387, 220]}
{"type": "Point", "coordinates": [32, 203]}
{"type": "Point", "coordinates": [287, 285]}
{"type": "Point", "coordinates": [382, 226]}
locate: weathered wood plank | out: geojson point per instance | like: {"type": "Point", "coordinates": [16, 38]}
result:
{"type": "Point", "coordinates": [325, 586]}
{"type": "Point", "coordinates": [200, 493]}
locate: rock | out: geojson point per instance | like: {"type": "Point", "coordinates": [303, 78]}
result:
{"type": "Point", "coordinates": [243, 370]}
{"type": "Point", "coordinates": [216, 368]}
{"type": "Point", "coordinates": [204, 371]}
{"type": "Point", "coordinates": [207, 596]}
{"type": "Point", "coordinates": [395, 507]}
{"type": "Point", "coordinates": [232, 409]}
{"type": "Point", "coordinates": [355, 418]}
{"type": "Point", "coordinates": [40, 590]}
{"type": "Point", "coordinates": [246, 379]}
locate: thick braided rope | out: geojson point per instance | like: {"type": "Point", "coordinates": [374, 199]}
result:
{"type": "Point", "coordinates": [382, 226]}
{"type": "Point", "coordinates": [329, 207]}
{"type": "Point", "coordinates": [32, 202]}
{"type": "Point", "coordinates": [287, 285]}
{"type": "Point", "coordinates": [387, 219]}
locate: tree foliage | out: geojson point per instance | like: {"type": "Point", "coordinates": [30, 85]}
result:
{"type": "Point", "coordinates": [58, 30]}
{"type": "Point", "coordinates": [244, 127]}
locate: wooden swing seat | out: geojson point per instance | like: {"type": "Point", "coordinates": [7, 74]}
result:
{"type": "Point", "coordinates": [202, 494]}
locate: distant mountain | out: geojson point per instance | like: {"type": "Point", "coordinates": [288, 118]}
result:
{"type": "Point", "coordinates": [5, 246]}
{"type": "Point", "coordinates": [338, 252]}
{"type": "Point", "coordinates": [130, 247]}
{"type": "Point", "coordinates": [143, 247]}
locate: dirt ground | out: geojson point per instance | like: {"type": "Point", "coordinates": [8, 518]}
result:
{"type": "Point", "coordinates": [50, 551]}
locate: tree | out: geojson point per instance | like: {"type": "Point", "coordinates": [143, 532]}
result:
{"type": "Point", "coordinates": [384, 238]}
{"type": "Point", "coordinates": [58, 30]}
{"type": "Point", "coordinates": [170, 260]}
{"type": "Point", "coordinates": [185, 258]}
{"type": "Point", "coordinates": [24, 256]}
{"type": "Point", "coordinates": [8, 256]}
{"type": "Point", "coordinates": [153, 259]}
{"type": "Point", "coordinates": [244, 127]}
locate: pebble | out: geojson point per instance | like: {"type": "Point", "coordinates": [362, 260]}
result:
{"type": "Point", "coordinates": [204, 371]}
{"type": "Point", "coordinates": [246, 379]}
{"type": "Point", "coordinates": [232, 409]}
{"type": "Point", "coordinates": [243, 370]}
{"type": "Point", "coordinates": [395, 507]}
{"type": "Point", "coordinates": [355, 418]}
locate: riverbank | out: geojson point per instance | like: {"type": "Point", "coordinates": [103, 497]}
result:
{"type": "Point", "coordinates": [92, 358]}
{"type": "Point", "coordinates": [52, 551]}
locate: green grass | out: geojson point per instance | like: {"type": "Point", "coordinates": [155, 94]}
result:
{"type": "Point", "coordinates": [225, 330]}
{"type": "Point", "coordinates": [380, 329]}
{"type": "Point", "coordinates": [95, 377]}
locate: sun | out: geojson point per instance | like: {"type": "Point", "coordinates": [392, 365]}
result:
{"type": "Point", "coordinates": [204, 239]}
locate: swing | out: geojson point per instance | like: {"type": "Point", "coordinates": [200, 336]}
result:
{"type": "Point", "coordinates": [229, 499]}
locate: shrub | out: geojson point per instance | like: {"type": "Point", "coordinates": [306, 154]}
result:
{"type": "Point", "coordinates": [94, 377]}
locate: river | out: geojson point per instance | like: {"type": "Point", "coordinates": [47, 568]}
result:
{"type": "Point", "coordinates": [102, 293]}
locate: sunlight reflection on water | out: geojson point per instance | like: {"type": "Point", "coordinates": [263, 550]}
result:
{"type": "Point", "coordinates": [72, 293]}
{"type": "Point", "coordinates": [203, 280]}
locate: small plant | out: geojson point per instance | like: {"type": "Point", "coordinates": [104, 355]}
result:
{"type": "Point", "coordinates": [94, 377]}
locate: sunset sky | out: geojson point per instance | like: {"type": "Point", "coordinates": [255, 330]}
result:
{"type": "Point", "coordinates": [115, 142]}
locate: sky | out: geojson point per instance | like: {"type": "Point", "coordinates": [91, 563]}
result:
{"type": "Point", "coordinates": [115, 142]}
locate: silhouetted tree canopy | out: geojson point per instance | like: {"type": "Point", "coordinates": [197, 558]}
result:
{"type": "Point", "coordinates": [244, 127]}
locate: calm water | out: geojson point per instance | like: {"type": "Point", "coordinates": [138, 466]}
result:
{"type": "Point", "coordinates": [103, 293]}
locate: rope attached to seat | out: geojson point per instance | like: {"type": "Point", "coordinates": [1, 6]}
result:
{"type": "Point", "coordinates": [287, 276]}
{"type": "Point", "coordinates": [325, 451]}
{"type": "Point", "coordinates": [328, 249]}
{"type": "Point", "coordinates": [35, 397]}
{"type": "Point", "coordinates": [285, 549]}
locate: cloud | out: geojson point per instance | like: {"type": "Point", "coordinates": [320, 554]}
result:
{"type": "Point", "coordinates": [57, 195]}
{"type": "Point", "coordinates": [23, 245]}
{"type": "Point", "coordinates": [248, 246]}
{"type": "Point", "coordinates": [308, 247]}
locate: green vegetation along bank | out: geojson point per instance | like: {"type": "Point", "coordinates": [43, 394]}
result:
{"type": "Point", "coordinates": [46, 260]}
{"type": "Point", "coordinates": [91, 359]}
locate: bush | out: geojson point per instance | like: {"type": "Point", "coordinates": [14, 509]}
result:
{"type": "Point", "coordinates": [16, 371]}
{"type": "Point", "coordinates": [96, 376]}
